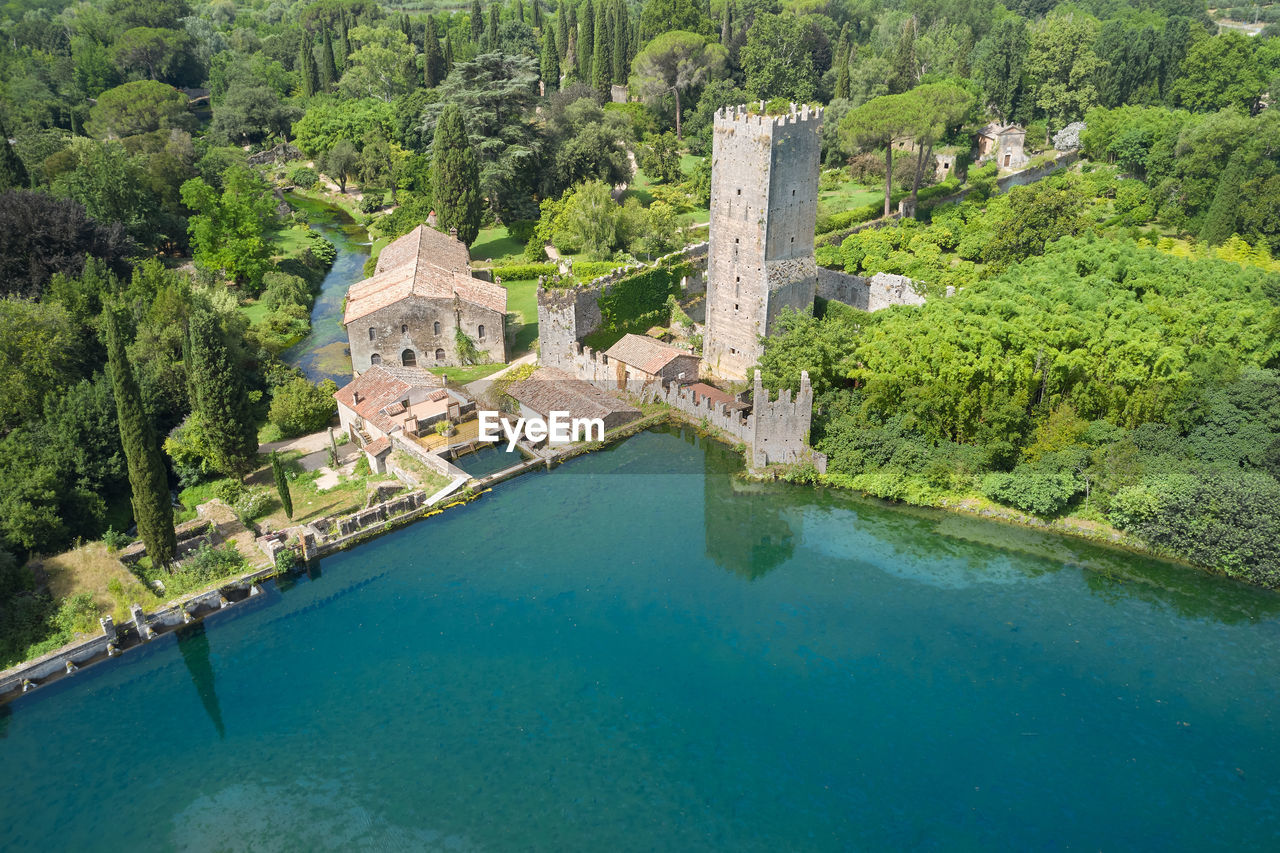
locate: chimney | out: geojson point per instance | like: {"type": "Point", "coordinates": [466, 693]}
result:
{"type": "Point", "coordinates": [453, 232]}
{"type": "Point", "coordinates": [355, 397]}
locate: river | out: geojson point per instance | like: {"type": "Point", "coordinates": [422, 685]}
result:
{"type": "Point", "coordinates": [323, 354]}
{"type": "Point", "coordinates": [636, 651]}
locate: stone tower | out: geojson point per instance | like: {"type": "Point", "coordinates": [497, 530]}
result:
{"type": "Point", "coordinates": [764, 203]}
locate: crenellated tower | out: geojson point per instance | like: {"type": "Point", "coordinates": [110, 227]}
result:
{"type": "Point", "coordinates": [764, 204]}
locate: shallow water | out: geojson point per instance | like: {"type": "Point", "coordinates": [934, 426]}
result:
{"type": "Point", "coordinates": [636, 652]}
{"type": "Point", "coordinates": [323, 354]}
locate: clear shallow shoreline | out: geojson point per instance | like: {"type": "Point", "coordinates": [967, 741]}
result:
{"type": "Point", "coordinates": [638, 651]}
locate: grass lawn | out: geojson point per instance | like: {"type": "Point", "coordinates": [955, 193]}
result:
{"type": "Point", "coordinates": [463, 375]}
{"type": "Point", "coordinates": [495, 243]}
{"type": "Point", "coordinates": [847, 196]}
{"type": "Point", "coordinates": [93, 569]}
{"type": "Point", "coordinates": [688, 162]}
{"type": "Point", "coordinates": [522, 300]}
{"type": "Point", "coordinates": [255, 310]}
{"type": "Point", "coordinates": [290, 241]}
{"type": "Point", "coordinates": [429, 481]}
{"type": "Point", "coordinates": [378, 246]}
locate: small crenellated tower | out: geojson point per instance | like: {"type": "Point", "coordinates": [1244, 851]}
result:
{"type": "Point", "coordinates": [764, 204]}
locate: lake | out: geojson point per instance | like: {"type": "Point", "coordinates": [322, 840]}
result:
{"type": "Point", "coordinates": [636, 651]}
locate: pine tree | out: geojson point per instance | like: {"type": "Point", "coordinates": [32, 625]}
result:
{"type": "Point", "coordinates": [477, 23]}
{"type": "Point", "coordinates": [13, 174]}
{"type": "Point", "coordinates": [491, 34]}
{"type": "Point", "coordinates": [602, 59]}
{"type": "Point", "coordinates": [621, 43]}
{"type": "Point", "coordinates": [432, 62]}
{"type": "Point", "coordinates": [550, 63]}
{"type": "Point", "coordinates": [282, 484]}
{"type": "Point", "coordinates": [152, 508]}
{"type": "Point", "coordinates": [586, 41]}
{"type": "Point", "coordinates": [562, 31]}
{"type": "Point", "coordinates": [218, 397]}
{"type": "Point", "coordinates": [455, 176]}
{"type": "Point", "coordinates": [328, 64]}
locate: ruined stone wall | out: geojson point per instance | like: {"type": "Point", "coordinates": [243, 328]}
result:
{"type": "Point", "coordinates": [843, 287]}
{"type": "Point", "coordinates": [410, 325]}
{"type": "Point", "coordinates": [868, 294]}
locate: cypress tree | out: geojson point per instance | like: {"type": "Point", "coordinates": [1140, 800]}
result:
{"type": "Point", "coordinates": [491, 35]}
{"type": "Point", "coordinates": [842, 73]}
{"type": "Point", "coordinates": [477, 23]}
{"type": "Point", "coordinates": [562, 31]}
{"type": "Point", "coordinates": [537, 14]}
{"type": "Point", "coordinates": [455, 176]}
{"type": "Point", "coordinates": [218, 397]}
{"type": "Point", "coordinates": [1220, 221]}
{"type": "Point", "coordinates": [726, 23]}
{"type": "Point", "coordinates": [621, 43]}
{"type": "Point", "coordinates": [152, 509]}
{"type": "Point", "coordinates": [602, 60]}
{"type": "Point", "coordinates": [432, 61]}
{"type": "Point", "coordinates": [448, 54]}
{"type": "Point", "coordinates": [344, 43]}
{"type": "Point", "coordinates": [586, 41]}
{"type": "Point", "coordinates": [328, 64]}
{"type": "Point", "coordinates": [13, 174]}
{"type": "Point", "coordinates": [282, 484]}
{"type": "Point", "coordinates": [307, 67]}
{"type": "Point", "coordinates": [518, 11]}
{"type": "Point", "coordinates": [550, 69]}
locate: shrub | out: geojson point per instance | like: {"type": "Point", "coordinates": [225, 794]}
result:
{"type": "Point", "coordinates": [1033, 489]}
{"type": "Point", "coordinates": [209, 563]}
{"type": "Point", "coordinates": [521, 272]}
{"type": "Point", "coordinates": [587, 270]}
{"type": "Point", "coordinates": [299, 407]}
{"type": "Point", "coordinates": [522, 229]}
{"type": "Point", "coordinates": [371, 202]}
{"type": "Point", "coordinates": [303, 176]}
{"type": "Point", "coordinates": [252, 505]}
{"type": "Point", "coordinates": [115, 539]}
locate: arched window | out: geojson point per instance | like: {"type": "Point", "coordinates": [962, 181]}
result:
{"type": "Point", "coordinates": [404, 328]}
{"type": "Point", "coordinates": [481, 331]}
{"type": "Point", "coordinates": [375, 359]}
{"type": "Point", "coordinates": [439, 354]}
{"type": "Point", "coordinates": [409, 358]}
{"type": "Point", "coordinates": [371, 333]}
{"type": "Point", "coordinates": [435, 330]}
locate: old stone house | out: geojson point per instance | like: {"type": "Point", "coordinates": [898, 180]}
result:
{"type": "Point", "coordinates": [638, 360]}
{"type": "Point", "coordinates": [389, 400]}
{"type": "Point", "coordinates": [1004, 143]}
{"type": "Point", "coordinates": [550, 390]}
{"type": "Point", "coordinates": [422, 306]}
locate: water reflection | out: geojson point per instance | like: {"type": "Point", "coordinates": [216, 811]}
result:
{"type": "Point", "coordinates": [193, 643]}
{"type": "Point", "coordinates": [746, 531]}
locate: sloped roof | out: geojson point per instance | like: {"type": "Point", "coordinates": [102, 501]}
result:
{"type": "Point", "coordinates": [549, 390]}
{"type": "Point", "coordinates": [381, 387]}
{"type": "Point", "coordinates": [423, 263]}
{"type": "Point", "coordinates": [994, 130]}
{"type": "Point", "coordinates": [645, 353]}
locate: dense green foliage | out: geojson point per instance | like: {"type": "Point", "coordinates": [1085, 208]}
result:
{"type": "Point", "coordinates": [455, 177]}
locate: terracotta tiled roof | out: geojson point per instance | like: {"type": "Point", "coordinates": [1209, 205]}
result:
{"type": "Point", "coordinates": [702, 390]}
{"type": "Point", "coordinates": [645, 353]}
{"type": "Point", "coordinates": [381, 387]}
{"type": "Point", "coordinates": [378, 446]}
{"type": "Point", "coordinates": [549, 390]}
{"type": "Point", "coordinates": [425, 263]}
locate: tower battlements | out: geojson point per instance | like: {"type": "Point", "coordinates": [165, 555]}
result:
{"type": "Point", "coordinates": [751, 116]}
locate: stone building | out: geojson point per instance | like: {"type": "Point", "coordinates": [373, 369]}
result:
{"type": "Point", "coordinates": [387, 400]}
{"type": "Point", "coordinates": [1004, 143]}
{"type": "Point", "coordinates": [422, 294]}
{"type": "Point", "coordinates": [764, 197]}
{"type": "Point", "coordinates": [550, 390]}
{"type": "Point", "coordinates": [638, 360]}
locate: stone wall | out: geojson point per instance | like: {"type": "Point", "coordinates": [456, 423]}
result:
{"type": "Point", "coordinates": [868, 294]}
{"type": "Point", "coordinates": [410, 325]}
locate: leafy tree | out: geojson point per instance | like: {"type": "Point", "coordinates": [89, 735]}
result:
{"type": "Point", "coordinates": [282, 484]}
{"type": "Point", "coordinates": [1035, 216]}
{"type": "Point", "coordinates": [455, 177]}
{"type": "Point", "coordinates": [997, 64]}
{"type": "Point", "coordinates": [1062, 67]}
{"type": "Point", "coordinates": [227, 232]}
{"type": "Point", "coordinates": [380, 64]}
{"type": "Point", "coordinates": [342, 161]}
{"type": "Point", "coordinates": [778, 59]}
{"type": "Point", "coordinates": [382, 163]}
{"type": "Point", "coordinates": [326, 123]}
{"type": "Point", "coordinates": [218, 398]}
{"type": "Point", "coordinates": [253, 113]}
{"type": "Point", "coordinates": [152, 509]}
{"type": "Point", "coordinates": [660, 158]}
{"type": "Point", "coordinates": [154, 50]}
{"type": "Point", "coordinates": [676, 62]}
{"type": "Point", "coordinates": [138, 107]}
{"type": "Point", "coordinates": [590, 219]}
{"type": "Point", "coordinates": [588, 142]}
{"type": "Point", "coordinates": [1221, 72]}
{"type": "Point", "coordinates": [298, 407]}
{"type": "Point", "coordinates": [877, 123]}
{"type": "Point", "coordinates": [41, 235]}
{"type": "Point", "coordinates": [661, 16]}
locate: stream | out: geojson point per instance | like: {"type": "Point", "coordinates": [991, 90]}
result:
{"type": "Point", "coordinates": [323, 354]}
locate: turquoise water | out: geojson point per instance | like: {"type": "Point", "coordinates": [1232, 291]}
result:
{"type": "Point", "coordinates": [489, 460]}
{"type": "Point", "coordinates": [635, 652]}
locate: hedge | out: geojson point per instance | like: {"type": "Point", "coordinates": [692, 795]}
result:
{"type": "Point", "coordinates": [520, 272]}
{"type": "Point", "coordinates": [587, 270]}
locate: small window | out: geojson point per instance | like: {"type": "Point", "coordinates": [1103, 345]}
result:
{"type": "Point", "coordinates": [737, 278]}
{"type": "Point", "coordinates": [435, 329]}
{"type": "Point", "coordinates": [404, 328]}
{"type": "Point", "coordinates": [371, 333]}
{"type": "Point", "coordinates": [439, 352]}
{"type": "Point", "coordinates": [735, 239]}
{"type": "Point", "coordinates": [735, 306]}
{"type": "Point", "coordinates": [480, 331]}
{"type": "Point", "coordinates": [739, 190]}
{"type": "Point", "coordinates": [409, 358]}
{"type": "Point", "coordinates": [793, 239]}
{"type": "Point", "coordinates": [375, 359]}
{"type": "Point", "coordinates": [793, 192]}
